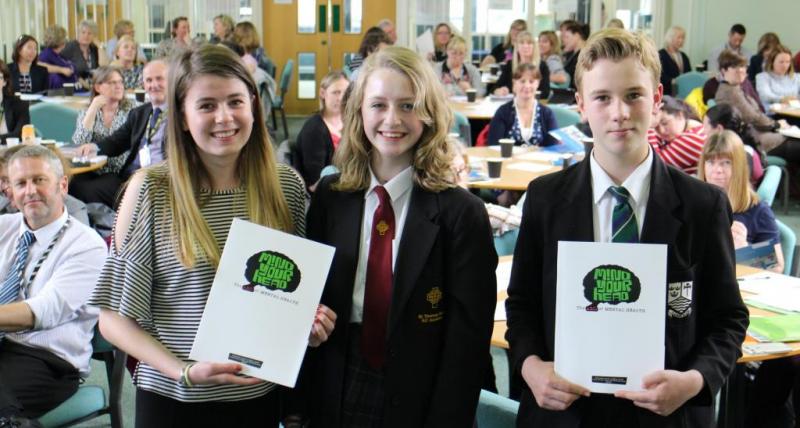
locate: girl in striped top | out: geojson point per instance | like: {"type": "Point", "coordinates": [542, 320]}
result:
{"type": "Point", "coordinates": [172, 223]}
{"type": "Point", "coordinates": [678, 135]}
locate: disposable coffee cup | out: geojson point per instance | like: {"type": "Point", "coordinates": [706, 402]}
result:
{"type": "Point", "coordinates": [506, 147]}
{"type": "Point", "coordinates": [139, 95]}
{"type": "Point", "coordinates": [69, 89]}
{"type": "Point", "coordinates": [494, 166]}
{"type": "Point", "coordinates": [566, 161]}
{"type": "Point", "coordinates": [494, 69]}
{"type": "Point", "coordinates": [471, 94]}
{"type": "Point", "coordinates": [11, 142]}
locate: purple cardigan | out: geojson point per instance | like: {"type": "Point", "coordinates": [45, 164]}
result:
{"type": "Point", "coordinates": [49, 56]}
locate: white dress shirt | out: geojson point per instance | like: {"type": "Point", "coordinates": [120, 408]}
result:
{"type": "Point", "coordinates": [399, 190]}
{"type": "Point", "coordinates": [63, 324]}
{"type": "Point", "coordinates": [637, 184]}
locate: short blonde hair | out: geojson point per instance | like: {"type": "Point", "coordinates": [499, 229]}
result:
{"type": "Point", "coordinates": [126, 39]}
{"type": "Point", "coordinates": [525, 36]}
{"type": "Point", "coordinates": [432, 155]}
{"type": "Point", "coordinates": [769, 63]}
{"type": "Point", "coordinates": [616, 45]}
{"type": "Point", "coordinates": [728, 145]}
{"type": "Point", "coordinates": [457, 41]}
{"type": "Point", "coordinates": [54, 36]}
{"type": "Point", "coordinates": [672, 33]}
{"type": "Point", "coordinates": [326, 82]}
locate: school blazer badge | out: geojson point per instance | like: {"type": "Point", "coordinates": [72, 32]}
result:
{"type": "Point", "coordinates": [679, 299]}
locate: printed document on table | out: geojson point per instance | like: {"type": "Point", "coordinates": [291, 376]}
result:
{"type": "Point", "coordinates": [263, 302]}
{"type": "Point", "coordinates": [611, 302]}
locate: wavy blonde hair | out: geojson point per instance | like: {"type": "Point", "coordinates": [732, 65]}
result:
{"type": "Point", "coordinates": [432, 155]}
{"type": "Point", "coordinates": [256, 167]}
{"type": "Point", "coordinates": [527, 37]}
{"type": "Point", "coordinates": [728, 145]}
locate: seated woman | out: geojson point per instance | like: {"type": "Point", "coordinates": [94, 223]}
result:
{"type": "Point", "coordinates": [524, 119]}
{"type": "Point", "coordinates": [550, 52]}
{"type": "Point", "coordinates": [724, 116]}
{"type": "Point", "coordinates": [374, 40]}
{"type": "Point", "coordinates": [83, 52]}
{"type": "Point", "coordinates": [322, 132]}
{"type": "Point", "coordinates": [61, 70]}
{"type": "Point", "coordinates": [678, 135]}
{"type": "Point", "coordinates": [246, 35]}
{"type": "Point", "coordinates": [456, 75]}
{"type": "Point", "coordinates": [502, 52]}
{"type": "Point", "coordinates": [733, 69]}
{"type": "Point", "coordinates": [766, 43]}
{"type": "Point", "coordinates": [441, 38]}
{"type": "Point", "coordinates": [723, 164]}
{"type": "Point", "coordinates": [27, 76]}
{"type": "Point", "coordinates": [674, 61]}
{"type": "Point", "coordinates": [525, 52]}
{"type": "Point", "coordinates": [223, 29]}
{"type": "Point", "coordinates": [107, 111]}
{"type": "Point", "coordinates": [778, 83]}
{"type": "Point", "coordinates": [125, 54]}
{"type": "Point", "coordinates": [13, 111]}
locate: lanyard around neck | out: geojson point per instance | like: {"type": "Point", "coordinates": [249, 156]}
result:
{"type": "Point", "coordinates": [46, 253]}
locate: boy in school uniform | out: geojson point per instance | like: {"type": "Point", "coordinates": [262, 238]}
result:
{"type": "Point", "coordinates": [623, 193]}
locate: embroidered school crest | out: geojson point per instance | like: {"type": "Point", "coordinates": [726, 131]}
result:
{"type": "Point", "coordinates": [434, 297]}
{"type": "Point", "coordinates": [679, 299]}
{"type": "Point", "coordinates": [382, 227]}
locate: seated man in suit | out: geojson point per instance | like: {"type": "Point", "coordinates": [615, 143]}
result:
{"type": "Point", "coordinates": [142, 135]}
{"type": "Point", "coordinates": [49, 263]}
{"type": "Point", "coordinates": [622, 191]}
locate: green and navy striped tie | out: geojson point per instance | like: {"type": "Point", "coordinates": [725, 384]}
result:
{"type": "Point", "coordinates": [623, 221]}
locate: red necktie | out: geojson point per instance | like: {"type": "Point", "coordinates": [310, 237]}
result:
{"type": "Point", "coordinates": [378, 289]}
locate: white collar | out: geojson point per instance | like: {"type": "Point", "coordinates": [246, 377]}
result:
{"type": "Point", "coordinates": [45, 233]}
{"type": "Point", "coordinates": [637, 184]}
{"type": "Point", "coordinates": [396, 187]}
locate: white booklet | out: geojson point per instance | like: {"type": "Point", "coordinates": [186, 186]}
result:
{"type": "Point", "coordinates": [611, 304]}
{"type": "Point", "coordinates": [263, 302]}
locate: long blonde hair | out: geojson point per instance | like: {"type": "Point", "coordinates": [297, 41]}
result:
{"type": "Point", "coordinates": [256, 167]}
{"type": "Point", "coordinates": [728, 145]}
{"type": "Point", "coordinates": [528, 37]}
{"type": "Point", "coordinates": [431, 160]}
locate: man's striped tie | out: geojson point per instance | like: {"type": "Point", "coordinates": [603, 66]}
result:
{"type": "Point", "coordinates": [623, 222]}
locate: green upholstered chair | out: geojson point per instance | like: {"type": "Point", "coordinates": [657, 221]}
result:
{"type": "Point", "coordinates": [788, 243]}
{"type": "Point", "coordinates": [564, 116]}
{"type": "Point", "coordinates": [688, 81]}
{"type": "Point", "coordinates": [495, 411]}
{"type": "Point", "coordinates": [782, 164]}
{"type": "Point", "coordinates": [277, 103]}
{"type": "Point", "coordinates": [769, 184]}
{"type": "Point", "coordinates": [90, 400]}
{"type": "Point", "coordinates": [462, 128]}
{"type": "Point", "coordinates": [54, 121]}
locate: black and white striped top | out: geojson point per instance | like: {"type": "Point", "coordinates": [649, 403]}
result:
{"type": "Point", "coordinates": [145, 281]}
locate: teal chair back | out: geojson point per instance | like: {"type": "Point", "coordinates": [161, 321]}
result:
{"type": "Point", "coordinates": [347, 71]}
{"type": "Point", "coordinates": [328, 170]}
{"type": "Point", "coordinates": [688, 81]}
{"type": "Point", "coordinates": [462, 128]}
{"type": "Point", "coordinates": [564, 116]}
{"type": "Point", "coordinates": [769, 184]}
{"type": "Point", "coordinates": [788, 243]}
{"type": "Point", "coordinates": [505, 243]}
{"type": "Point", "coordinates": [286, 79]}
{"type": "Point", "coordinates": [90, 401]}
{"type": "Point", "coordinates": [54, 121]}
{"type": "Point", "coordinates": [495, 411]}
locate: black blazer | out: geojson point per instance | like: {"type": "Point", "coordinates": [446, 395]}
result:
{"type": "Point", "coordinates": [39, 77]}
{"type": "Point", "coordinates": [436, 352]}
{"type": "Point", "coordinates": [544, 83]}
{"type": "Point", "coordinates": [15, 112]}
{"type": "Point", "coordinates": [314, 149]}
{"type": "Point", "coordinates": [670, 69]}
{"type": "Point", "coordinates": [693, 218]}
{"type": "Point", "coordinates": [128, 136]}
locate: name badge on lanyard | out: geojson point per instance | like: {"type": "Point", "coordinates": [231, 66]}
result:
{"type": "Point", "coordinates": [144, 156]}
{"type": "Point", "coordinates": [150, 131]}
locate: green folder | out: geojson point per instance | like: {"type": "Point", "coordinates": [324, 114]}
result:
{"type": "Point", "coordinates": [780, 328]}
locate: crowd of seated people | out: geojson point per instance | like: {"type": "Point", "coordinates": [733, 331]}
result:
{"type": "Point", "coordinates": [386, 130]}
